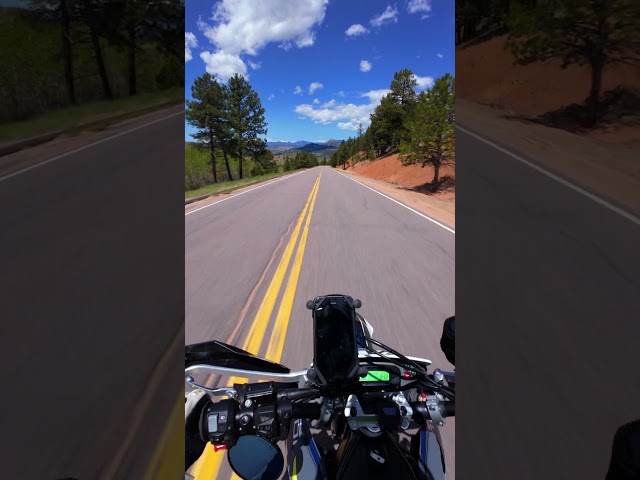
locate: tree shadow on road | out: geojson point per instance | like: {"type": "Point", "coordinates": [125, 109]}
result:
{"type": "Point", "coordinates": [446, 183]}
{"type": "Point", "coordinates": [619, 106]}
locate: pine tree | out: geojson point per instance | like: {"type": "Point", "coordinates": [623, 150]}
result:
{"type": "Point", "coordinates": [246, 118]}
{"type": "Point", "coordinates": [431, 128]}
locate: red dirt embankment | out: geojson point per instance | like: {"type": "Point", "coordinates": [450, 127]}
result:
{"type": "Point", "coordinates": [485, 74]}
{"type": "Point", "coordinates": [403, 183]}
{"type": "Point", "coordinates": [391, 170]}
{"type": "Point", "coordinates": [491, 91]}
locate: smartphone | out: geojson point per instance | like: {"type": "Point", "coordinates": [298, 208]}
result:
{"type": "Point", "coordinates": [335, 355]}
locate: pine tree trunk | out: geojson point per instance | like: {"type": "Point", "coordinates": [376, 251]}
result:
{"type": "Point", "coordinates": [226, 162]}
{"type": "Point", "coordinates": [132, 61]}
{"type": "Point", "coordinates": [597, 66]}
{"type": "Point", "coordinates": [67, 51]}
{"type": "Point", "coordinates": [102, 70]}
{"type": "Point", "coordinates": [213, 158]}
{"type": "Point", "coordinates": [436, 173]}
{"type": "Point", "coordinates": [240, 163]}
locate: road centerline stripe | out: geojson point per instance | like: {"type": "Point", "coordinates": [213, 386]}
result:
{"type": "Point", "coordinates": [259, 326]}
{"type": "Point", "coordinates": [208, 465]}
{"type": "Point", "coordinates": [276, 344]}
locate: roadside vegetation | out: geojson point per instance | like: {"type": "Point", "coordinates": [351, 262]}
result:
{"type": "Point", "coordinates": [228, 144]}
{"type": "Point", "coordinates": [595, 33]}
{"type": "Point", "coordinates": [230, 186]}
{"type": "Point", "coordinates": [301, 160]}
{"type": "Point", "coordinates": [62, 58]}
{"type": "Point", "coordinates": [420, 127]}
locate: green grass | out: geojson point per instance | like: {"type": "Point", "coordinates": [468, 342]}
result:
{"type": "Point", "coordinates": [95, 114]}
{"type": "Point", "coordinates": [225, 187]}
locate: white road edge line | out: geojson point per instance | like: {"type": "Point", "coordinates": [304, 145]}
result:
{"type": "Point", "coordinates": [400, 203]}
{"type": "Point", "coordinates": [241, 193]}
{"type": "Point", "coordinates": [26, 169]}
{"type": "Point", "coordinates": [555, 177]}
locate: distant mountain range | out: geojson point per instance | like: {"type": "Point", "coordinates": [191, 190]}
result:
{"type": "Point", "coordinates": [299, 143]}
{"type": "Point", "coordinates": [291, 148]}
{"type": "Point", "coordinates": [325, 149]}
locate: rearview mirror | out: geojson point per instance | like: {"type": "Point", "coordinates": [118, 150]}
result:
{"type": "Point", "coordinates": [256, 458]}
{"type": "Point", "coordinates": [448, 339]}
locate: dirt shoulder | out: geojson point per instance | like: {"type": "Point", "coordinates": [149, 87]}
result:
{"type": "Point", "coordinates": [610, 171]}
{"type": "Point", "coordinates": [440, 209]}
{"type": "Point", "coordinates": [486, 74]}
{"type": "Point", "coordinates": [204, 200]}
{"type": "Point", "coordinates": [498, 101]}
{"type": "Point", "coordinates": [68, 142]}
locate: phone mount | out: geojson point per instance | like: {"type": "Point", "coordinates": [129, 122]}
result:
{"type": "Point", "coordinates": [335, 355]}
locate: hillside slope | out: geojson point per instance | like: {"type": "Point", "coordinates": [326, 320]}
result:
{"type": "Point", "coordinates": [485, 74]}
{"type": "Point", "coordinates": [391, 170]}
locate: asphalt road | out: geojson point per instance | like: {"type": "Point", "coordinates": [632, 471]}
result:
{"type": "Point", "coordinates": [549, 302]}
{"type": "Point", "coordinates": [398, 263]}
{"type": "Point", "coordinates": [92, 301]}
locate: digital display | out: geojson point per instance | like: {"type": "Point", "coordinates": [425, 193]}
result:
{"type": "Point", "coordinates": [376, 376]}
{"type": "Point", "coordinates": [213, 423]}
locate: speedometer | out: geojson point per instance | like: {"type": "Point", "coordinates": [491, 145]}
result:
{"type": "Point", "coordinates": [376, 376]}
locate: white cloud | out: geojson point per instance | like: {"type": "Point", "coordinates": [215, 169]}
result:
{"type": "Point", "coordinates": [416, 6]}
{"type": "Point", "coordinates": [316, 101]}
{"type": "Point", "coordinates": [298, 90]}
{"type": "Point", "coordinates": [247, 26]}
{"type": "Point", "coordinates": [190, 41]}
{"type": "Point", "coordinates": [223, 65]}
{"type": "Point", "coordinates": [348, 115]}
{"type": "Point", "coordinates": [348, 126]}
{"type": "Point", "coordinates": [355, 30]}
{"type": "Point", "coordinates": [341, 93]}
{"type": "Point", "coordinates": [389, 15]}
{"type": "Point", "coordinates": [439, 55]}
{"type": "Point", "coordinates": [315, 86]}
{"type": "Point", "coordinates": [365, 65]}
{"type": "Point", "coordinates": [376, 95]}
{"type": "Point", "coordinates": [424, 82]}
{"type": "Point", "coordinates": [244, 27]}
{"type": "Point", "coordinates": [202, 25]}
{"type": "Point", "coordinates": [271, 97]}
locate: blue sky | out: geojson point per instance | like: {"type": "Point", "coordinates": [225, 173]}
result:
{"type": "Point", "coordinates": [320, 67]}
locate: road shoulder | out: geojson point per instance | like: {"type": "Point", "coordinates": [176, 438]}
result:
{"type": "Point", "coordinates": [609, 171]}
{"type": "Point", "coordinates": [441, 210]}
{"type": "Point", "coordinates": [208, 199]}
{"type": "Point", "coordinates": [65, 143]}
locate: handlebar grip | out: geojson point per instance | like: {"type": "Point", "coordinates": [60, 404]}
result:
{"type": "Point", "coordinates": [305, 410]}
{"type": "Point", "coordinates": [421, 413]}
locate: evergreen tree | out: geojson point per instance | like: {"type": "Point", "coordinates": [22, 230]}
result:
{"type": "Point", "coordinates": [431, 128]}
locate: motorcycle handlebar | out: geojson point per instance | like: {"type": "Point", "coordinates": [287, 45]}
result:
{"type": "Point", "coordinates": [305, 410]}
{"type": "Point", "coordinates": [449, 409]}
{"type": "Point", "coordinates": [224, 421]}
{"type": "Point", "coordinates": [423, 413]}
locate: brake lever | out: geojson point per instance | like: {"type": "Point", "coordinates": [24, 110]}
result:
{"type": "Point", "coordinates": [217, 392]}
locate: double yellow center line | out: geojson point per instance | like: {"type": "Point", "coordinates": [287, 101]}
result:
{"type": "Point", "coordinates": [208, 465]}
